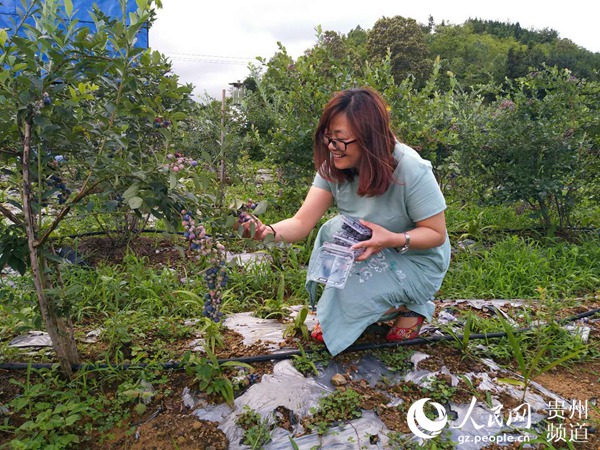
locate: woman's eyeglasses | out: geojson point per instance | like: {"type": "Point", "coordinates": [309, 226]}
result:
{"type": "Point", "coordinates": [338, 144]}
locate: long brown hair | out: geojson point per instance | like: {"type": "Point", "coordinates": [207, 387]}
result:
{"type": "Point", "coordinates": [368, 118]}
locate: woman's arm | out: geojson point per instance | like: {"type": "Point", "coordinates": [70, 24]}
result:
{"type": "Point", "coordinates": [296, 228]}
{"type": "Point", "coordinates": [428, 233]}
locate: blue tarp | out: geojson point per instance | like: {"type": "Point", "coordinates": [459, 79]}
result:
{"type": "Point", "coordinates": [10, 9]}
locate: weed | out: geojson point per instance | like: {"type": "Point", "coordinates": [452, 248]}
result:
{"type": "Point", "coordinates": [399, 441]}
{"type": "Point", "coordinates": [274, 308]}
{"type": "Point", "coordinates": [474, 228]}
{"type": "Point", "coordinates": [397, 359]}
{"type": "Point", "coordinates": [515, 267]}
{"type": "Point", "coordinates": [211, 331]}
{"type": "Point", "coordinates": [303, 363]}
{"type": "Point", "coordinates": [139, 391]}
{"type": "Point", "coordinates": [209, 373]}
{"type": "Point", "coordinates": [439, 388]}
{"type": "Point", "coordinates": [257, 431]}
{"type": "Point", "coordinates": [529, 368]}
{"type": "Point", "coordinates": [463, 342]}
{"type": "Point", "coordinates": [51, 412]}
{"type": "Point", "coordinates": [339, 406]}
{"type": "Point", "coordinates": [298, 326]}
{"type": "Point", "coordinates": [318, 354]}
{"type": "Point", "coordinates": [543, 435]}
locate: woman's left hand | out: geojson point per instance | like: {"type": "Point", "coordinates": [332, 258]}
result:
{"type": "Point", "coordinates": [380, 239]}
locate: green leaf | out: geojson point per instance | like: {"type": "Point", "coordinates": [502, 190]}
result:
{"type": "Point", "coordinates": [236, 204]}
{"type": "Point", "coordinates": [514, 344]}
{"type": "Point", "coordinates": [135, 202]}
{"type": "Point", "coordinates": [294, 445]}
{"type": "Point", "coordinates": [229, 221]}
{"type": "Point", "coordinates": [261, 207]}
{"type": "Point", "coordinates": [68, 8]}
{"type": "Point", "coordinates": [172, 180]}
{"type": "Point", "coordinates": [70, 420]}
{"type": "Point", "coordinates": [131, 191]}
{"type": "Point", "coordinates": [178, 116]}
{"type": "Point", "coordinates": [512, 381]}
{"type": "Point", "coordinates": [3, 36]}
{"type": "Point", "coordinates": [236, 364]}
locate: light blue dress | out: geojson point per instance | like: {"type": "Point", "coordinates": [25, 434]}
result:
{"type": "Point", "coordinates": [387, 279]}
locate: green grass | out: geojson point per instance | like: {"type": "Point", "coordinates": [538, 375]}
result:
{"type": "Point", "coordinates": [131, 286]}
{"type": "Point", "coordinates": [516, 267]}
{"type": "Point", "coordinates": [77, 413]}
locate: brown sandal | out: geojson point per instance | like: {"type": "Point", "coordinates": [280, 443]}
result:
{"type": "Point", "coordinates": [317, 333]}
{"type": "Point", "coordinates": [397, 334]}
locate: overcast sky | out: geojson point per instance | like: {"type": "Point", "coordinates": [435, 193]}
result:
{"type": "Point", "coordinates": [211, 43]}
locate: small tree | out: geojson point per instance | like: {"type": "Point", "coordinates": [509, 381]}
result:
{"type": "Point", "coordinates": [78, 113]}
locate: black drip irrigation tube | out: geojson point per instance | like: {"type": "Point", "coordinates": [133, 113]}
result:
{"type": "Point", "coordinates": [175, 365]}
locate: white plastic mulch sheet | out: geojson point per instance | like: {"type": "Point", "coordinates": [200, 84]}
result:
{"type": "Point", "coordinates": [270, 332]}
{"type": "Point", "coordinates": [288, 388]}
{"type": "Point", "coordinates": [473, 425]}
{"type": "Point", "coordinates": [32, 339]}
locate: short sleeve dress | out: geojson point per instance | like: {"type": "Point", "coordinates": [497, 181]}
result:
{"type": "Point", "coordinates": [387, 279]}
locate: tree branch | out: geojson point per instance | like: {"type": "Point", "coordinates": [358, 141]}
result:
{"type": "Point", "coordinates": [63, 212]}
{"type": "Point", "coordinates": [10, 216]}
{"type": "Point", "coordinates": [9, 151]}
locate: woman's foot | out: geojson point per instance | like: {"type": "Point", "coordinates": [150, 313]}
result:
{"type": "Point", "coordinates": [317, 333]}
{"type": "Point", "coordinates": [408, 326]}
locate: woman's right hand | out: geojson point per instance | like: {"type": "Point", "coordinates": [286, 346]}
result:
{"type": "Point", "coordinates": [250, 223]}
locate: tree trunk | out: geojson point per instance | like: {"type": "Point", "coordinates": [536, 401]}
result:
{"type": "Point", "coordinates": [62, 338]}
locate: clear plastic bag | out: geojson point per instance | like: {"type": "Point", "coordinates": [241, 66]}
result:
{"type": "Point", "coordinates": [332, 266]}
{"type": "Point", "coordinates": [335, 259]}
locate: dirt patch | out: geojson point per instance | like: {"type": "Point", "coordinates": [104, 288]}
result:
{"type": "Point", "coordinates": [580, 382]}
{"type": "Point", "coordinates": [371, 398]}
{"type": "Point", "coordinates": [178, 431]}
{"type": "Point", "coordinates": [443, 354]}
{"type": "Point", "coordinates": [161, 250]}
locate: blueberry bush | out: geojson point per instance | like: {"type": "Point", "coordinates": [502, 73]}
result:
{"type": "Point", "coordinates": [86, 118]}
